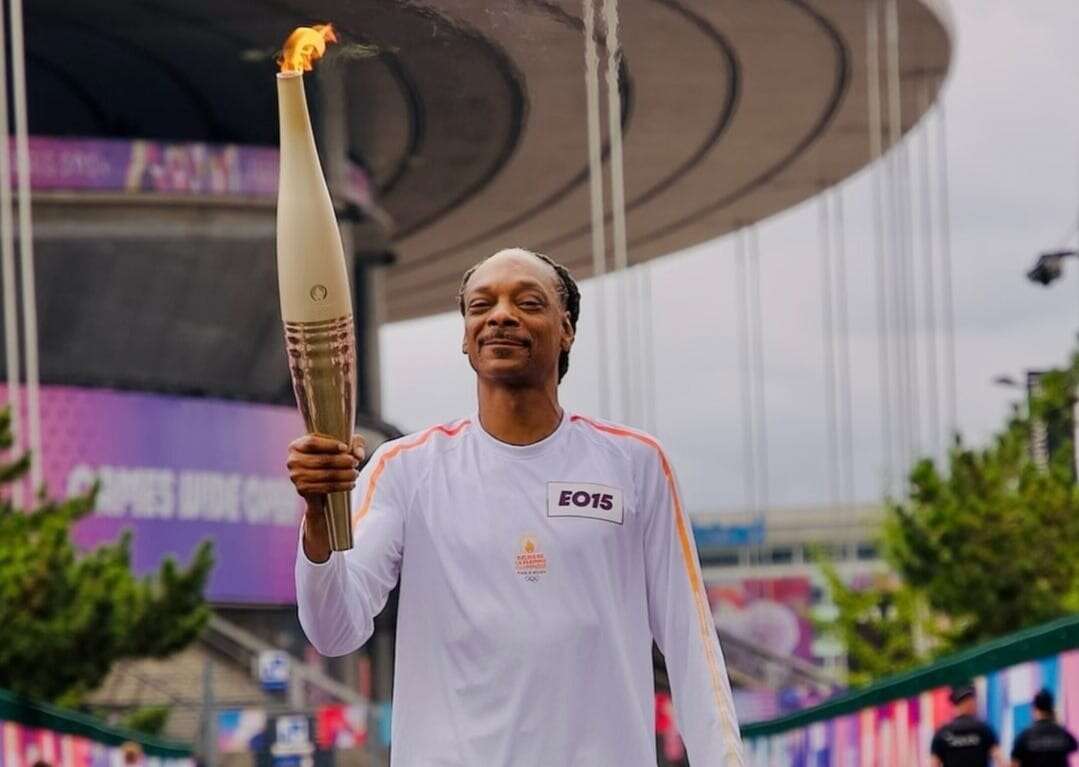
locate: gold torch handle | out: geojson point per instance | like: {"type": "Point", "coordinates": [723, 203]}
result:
{"type": "Point", "coordinates": [322, 362]}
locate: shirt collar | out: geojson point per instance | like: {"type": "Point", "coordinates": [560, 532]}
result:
{"type": "Point", "coordinates": [523, 451]}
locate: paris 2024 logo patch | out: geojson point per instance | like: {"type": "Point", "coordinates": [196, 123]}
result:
{"type": "Point", "coordinates": [531, 562]}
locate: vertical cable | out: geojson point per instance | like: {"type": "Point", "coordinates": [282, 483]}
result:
{"type": "Point", "coordinates": [7, 257]}
{"type": "Point", "coordinates": [631, 331]}
{"type": "Point", "coordinates": [905, 385]}
{"type": "Point", "coordinates": [634, 414]}
{"type": "Point", "coordinates": [908, 283]}
{"type": "Point", "coordinates": [930, 288]}
{"type": "Point", "coordinates": [595, 182]}
{"type": "Point", "coordinates": [896, 339]}
{"type": "Point", "coordinates": [744, 383]}
{"type": "Point", "coordinates": [648, 345]}
{"type": "Point", "coordinates": [828, 345]}
{"type": "Point", "coordinates": [948, 301]}
{"type": "Point", "coordinates": [758, 389]}
{"type": "Point", "coordinates": [640, 352]}
{"type": "Point", "coordinates": [884, 335]}
{"type": "Point", "coordinates": [618, 198]}
{"type": "Point", "coordinates": [26, 245]}
{"type": "Point", "coordinates": [910, 297]}
{"type": "Point", "coordinates": [846, 418]}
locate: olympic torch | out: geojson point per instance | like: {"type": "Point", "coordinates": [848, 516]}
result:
{"type": "Point", "coordinates": [316, 307]}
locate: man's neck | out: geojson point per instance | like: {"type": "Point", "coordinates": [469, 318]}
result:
{"type": "Point", "coordinates": [518, 416]}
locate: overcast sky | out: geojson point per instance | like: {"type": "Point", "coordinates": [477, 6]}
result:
{"type": "Point", "coordinates": [1013, 123]}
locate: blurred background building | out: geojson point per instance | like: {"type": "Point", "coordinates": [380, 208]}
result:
{"type": "Point", "coordinates": [447, 130]}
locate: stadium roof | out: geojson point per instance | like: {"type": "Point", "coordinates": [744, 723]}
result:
{"type": "Point", "coordinates": [470, 122]}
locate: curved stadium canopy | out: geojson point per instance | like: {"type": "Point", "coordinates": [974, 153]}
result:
{"type": "Point", "coordinates": [471, 125]}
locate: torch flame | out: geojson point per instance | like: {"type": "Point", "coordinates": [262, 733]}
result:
{"type": "Point", "coordinates": [305, 46]}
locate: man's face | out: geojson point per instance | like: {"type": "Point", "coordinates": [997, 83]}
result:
{"type": "Point", "coordinates": [515, 324]}
{"type": "Point", "coordinates": [967, 707]}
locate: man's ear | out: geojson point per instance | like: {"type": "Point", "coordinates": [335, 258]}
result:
{"type": "Point", "coordinates": [568, 334]}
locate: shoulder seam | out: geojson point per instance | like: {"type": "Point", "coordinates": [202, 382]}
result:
{"type": "Point", "coordinates": [596, 438]}
{"type": "Point", "coordinates": [623, 432]}
{"type": "Point", "coordinates": [403, 445]}
{"type": "Point", "coordinates": [456, 443]}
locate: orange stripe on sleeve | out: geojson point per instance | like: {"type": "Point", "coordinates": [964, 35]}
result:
{"type": "Point", "coordinates": [392, 453]}
{"type": "Point", "coordinates": [705, 624]}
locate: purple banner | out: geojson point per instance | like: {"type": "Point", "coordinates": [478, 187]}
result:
{"type": "Point", "coordinates": [106, 165]}
{"type": "Point", "coordinates": [177, 471]}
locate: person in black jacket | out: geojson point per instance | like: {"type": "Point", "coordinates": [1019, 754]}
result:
{"type": "Point", "coordinates": [1045, 743]}
{"type": "Point", "coordinates": [966, 741]}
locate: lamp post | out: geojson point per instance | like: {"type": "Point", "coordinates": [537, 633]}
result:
{"type": "Point", "coordinates": [1049, 266]}
{"type": "Point", "coordinates": [1042, 442]}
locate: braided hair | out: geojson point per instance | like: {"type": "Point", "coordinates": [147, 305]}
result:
{"type": "Point", "coordinates": [568, 292]}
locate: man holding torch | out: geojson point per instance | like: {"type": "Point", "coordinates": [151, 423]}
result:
{"type": "Point", "coordinates": [539, 554]}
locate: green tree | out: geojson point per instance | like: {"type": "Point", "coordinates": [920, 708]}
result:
{"type": "Point", "coordinates": [148, 719]}
{"type": "Point", "coordinates": [876, 623]}
{"type": "Point", "coordinates": [985, 548]}
{"type": "Point", "coordinates": [66, 616]}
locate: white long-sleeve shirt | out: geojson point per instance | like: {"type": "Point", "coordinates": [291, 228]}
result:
{"type": "Point", "coordinates": [533, 581]}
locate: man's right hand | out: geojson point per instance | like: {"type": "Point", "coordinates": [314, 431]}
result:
{"type": "Point", "coordinates": [318, 466]}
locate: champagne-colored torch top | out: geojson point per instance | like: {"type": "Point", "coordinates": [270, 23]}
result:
{"type": "Point", "coordinates": [311, 268]}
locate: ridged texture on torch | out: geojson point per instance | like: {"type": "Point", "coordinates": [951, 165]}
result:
{"type": "Point", "coordinates": [322, 363]}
